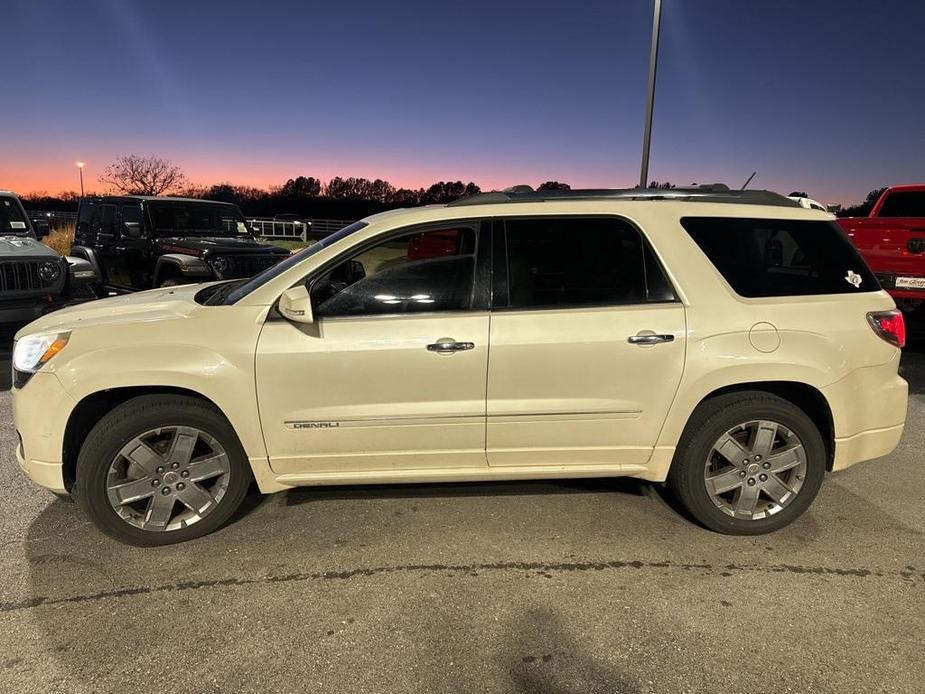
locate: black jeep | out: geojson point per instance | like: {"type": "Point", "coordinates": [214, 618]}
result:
{"type": "Point", "coordinates": [139, 242]}
{"type": "Point", "coordinates": [34, 279]}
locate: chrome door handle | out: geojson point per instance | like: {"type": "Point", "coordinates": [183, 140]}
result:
{"type": "Point", "coordinates": [650, 339]}
{"type": "Point", "coordinates": [445, 345]}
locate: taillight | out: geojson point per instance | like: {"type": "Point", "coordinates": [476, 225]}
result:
{"type": "Point", "coordinates": [890, 325]}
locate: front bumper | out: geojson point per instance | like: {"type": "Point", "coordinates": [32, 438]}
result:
{"type": "Point", "coordinates": [41, 409]}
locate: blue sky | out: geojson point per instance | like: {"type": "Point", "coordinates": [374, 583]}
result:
{"type": "Point", "coordinates": [822, 96]}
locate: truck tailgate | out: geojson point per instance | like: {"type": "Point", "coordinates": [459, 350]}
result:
{"type": "Point", "coordinates": [894, 248]}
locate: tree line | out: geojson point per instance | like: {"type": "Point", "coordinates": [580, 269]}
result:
{"type": "Point", "coordinates": [337, 198]}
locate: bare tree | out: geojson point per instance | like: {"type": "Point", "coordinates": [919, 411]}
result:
{"type": "Point", "coordinates": [134, 175]}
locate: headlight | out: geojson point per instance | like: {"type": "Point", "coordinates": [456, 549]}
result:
{"type": "Point", "coordinates": [219, 264]}
{"type": "Point", "coordinates": [49, 271]}
{"type": "Point", "coordinates": [32, 351]}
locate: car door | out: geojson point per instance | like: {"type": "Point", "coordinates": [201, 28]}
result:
{"type": "Point", "coordinates": [391, 375]}
{"type": "Point", "coordinates": [103, 225]}
{"type": "Point", "coordinates": [587, 344]}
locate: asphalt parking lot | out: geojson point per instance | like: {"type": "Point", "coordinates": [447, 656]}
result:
{"type": "Point", "coordinates": [578, 586]}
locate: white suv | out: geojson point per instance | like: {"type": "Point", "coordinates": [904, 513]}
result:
{"type": "Point", "coordinates": [730, 343]}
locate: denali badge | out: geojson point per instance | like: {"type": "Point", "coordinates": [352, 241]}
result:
{"type": "Point", "coordinates": [312, 425]}
{"type": "Point", "coordinates": [854, 278]}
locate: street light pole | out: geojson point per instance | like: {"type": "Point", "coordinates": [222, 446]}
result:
{"type": "Point", "coordinates": [650, 98]}
{"type": "Point", "coordinates": [80, 168]}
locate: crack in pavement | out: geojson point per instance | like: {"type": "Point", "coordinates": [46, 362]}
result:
{"type": "Point", "coordinates": [909, 574]}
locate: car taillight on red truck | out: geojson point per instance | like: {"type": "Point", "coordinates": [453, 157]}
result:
{"type": "Point", "coordinates": [890, 325]}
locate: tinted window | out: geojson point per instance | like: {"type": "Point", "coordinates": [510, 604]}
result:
{"type": "Point", "coordinates": [909, 203]}
{"type": "Point", "coordinates": [777, 257]}
{"type": "Point", "coordinates": [425, 271]}
{"type": "Point", "coordinates": [131, 214]}
{"type": "Point", "coordinates": [580, 262]}
{"type": "Point", "coordinates": [107, 219]}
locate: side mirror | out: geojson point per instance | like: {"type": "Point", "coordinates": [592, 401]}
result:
{"type": "Point", "coordinates": [42, 228]}
{"type": "Point", "coordinates": [80, 270]}
{"type": "Point", "coordinates": [131, 230]}
{"type": "Point", "coordinates": [296, 305]}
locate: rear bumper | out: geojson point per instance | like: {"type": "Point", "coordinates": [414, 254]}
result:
{"type": "Point", "coordinates": [868, 413]}
{"type": "Point", "coordinates": [866, 446]}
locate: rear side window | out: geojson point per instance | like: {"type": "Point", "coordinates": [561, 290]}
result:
{"type": "Point", "coordinates": [580, 261]}
{"type": "Point", "coordinates": [781, 257]}
{"type": "Point", "coordinates": [905, 203]}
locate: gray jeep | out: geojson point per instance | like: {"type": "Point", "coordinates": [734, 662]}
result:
{"type": "Point", "coordinates": [34, 279]}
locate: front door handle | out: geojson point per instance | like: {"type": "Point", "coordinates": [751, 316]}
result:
{"type": "Point", "coordinates": [649, 339]}
{"type": "Point", "coordinates": [447, 345]}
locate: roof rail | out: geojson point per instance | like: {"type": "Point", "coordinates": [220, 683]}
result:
{"type": "Point", "coordinates": [714, 192]}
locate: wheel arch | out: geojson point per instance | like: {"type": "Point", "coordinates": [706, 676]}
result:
{"type": "Point", "coordinates": [92, 408]}
{"type": "Point", "coordinates": [805, 396]}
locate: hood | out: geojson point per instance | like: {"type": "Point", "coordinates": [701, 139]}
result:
{"type": "Point", "coordinates": [166, 303]}
{"type": "Point", "coordinates": [12, 247]}
{"type": "Point", "coordinates": [207, 245]}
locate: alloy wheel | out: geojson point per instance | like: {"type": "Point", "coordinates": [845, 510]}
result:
{"type": "Point", "coordinates": [168, 478]}
{"type": "Point", "coordinates": [755, 470]}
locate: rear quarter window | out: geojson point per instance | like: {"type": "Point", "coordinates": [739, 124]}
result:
{"type": "Point", "coordinates": [781, 257]}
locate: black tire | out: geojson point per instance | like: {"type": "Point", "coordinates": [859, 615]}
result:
{"type": "Point", "coordinates": [170, 282]}
{"type": "Point", "coordinates": [707, 424]}
{"type": "Point", "coordinates": [127, 421]}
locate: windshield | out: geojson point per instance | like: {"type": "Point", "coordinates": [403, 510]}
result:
{"type": "Point", "coordinates": [12, 219]}
{"type": "Point", "coordinates": [214, 219]}
{"type": "Point", "coordinates": [239, 292]}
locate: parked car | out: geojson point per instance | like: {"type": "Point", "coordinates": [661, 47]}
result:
{"type": "Point", "coordinates": [139, 242]}
{"type": "Point", "coordinates": [808, 203]}
{"type": "Point", "coordinates": [34, 279]}
{"type": "Point", "coordinates": [892, 241]}
{"type": "Point", "coordinates": [729, 343]}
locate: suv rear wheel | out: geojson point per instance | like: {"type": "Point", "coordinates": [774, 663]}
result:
{"type": "Point", "coordinates": [748, 463]}
{"type": "Point", "coordinates": [161, 469]}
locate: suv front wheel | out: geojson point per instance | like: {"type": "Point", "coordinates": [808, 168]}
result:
{"type": "Point", "coordinates": [160, 469]}
{"type": "Point", "coordinates": [748, 463]}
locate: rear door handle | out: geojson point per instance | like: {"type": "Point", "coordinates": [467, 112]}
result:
{"type": "Point", "coordinates": [649, 339]}
{"type": "Point", "coordinates": [447, 345]}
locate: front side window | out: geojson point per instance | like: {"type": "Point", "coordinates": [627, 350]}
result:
{"type": "Point", "coordinates": [579, 261]}
{"type": "Point", "coordinates": [425, 271]}
{"type": "Point", "coordinates": [781, 257]}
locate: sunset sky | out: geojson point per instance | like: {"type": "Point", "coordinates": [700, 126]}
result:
{"type": "Point", "coordinates": [818, 95]}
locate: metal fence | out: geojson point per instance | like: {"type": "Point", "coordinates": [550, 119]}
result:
{"type": "Point", "coordinates": [53, 215]}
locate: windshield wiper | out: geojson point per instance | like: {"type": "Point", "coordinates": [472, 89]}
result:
{"type": "Point", "coordinates": [222, 291]}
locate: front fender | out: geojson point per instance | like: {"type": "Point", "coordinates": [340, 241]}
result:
{"type": "Point", "coordinates": [89, 254]}
{"type": "Point", "coordinates": [184, 265]}
{"type": "Point", "coordinates": [226, 382]}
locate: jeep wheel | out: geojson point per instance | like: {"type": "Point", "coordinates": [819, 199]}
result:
{"type": "Point", "coordinates": [748, 463]}
{"type": "Point", "coordinates": [170, 282]}
{"type": "Point", "coordinates": [161, 469]}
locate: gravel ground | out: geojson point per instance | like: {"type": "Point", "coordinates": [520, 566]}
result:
{"type": "Point", "coordinates": [579, 586]}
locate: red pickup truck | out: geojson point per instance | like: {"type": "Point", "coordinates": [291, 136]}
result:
{"type": "Point", "coordinates": [892, 241]}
